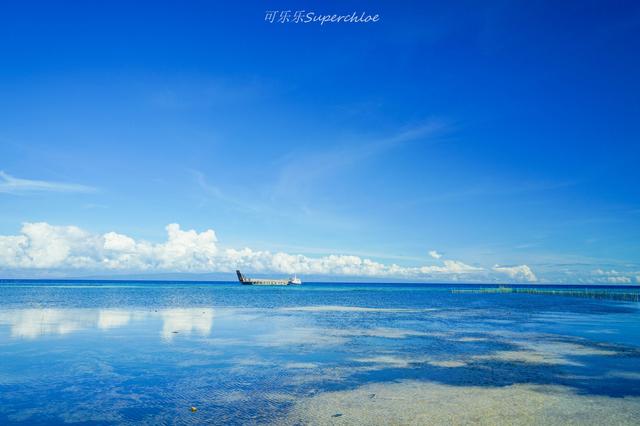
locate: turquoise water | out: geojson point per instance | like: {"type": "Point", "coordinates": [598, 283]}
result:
{"type": "Point", "coordinates": [146, 352]}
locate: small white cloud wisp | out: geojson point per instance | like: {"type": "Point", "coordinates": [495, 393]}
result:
{"type": "Point", "coordinates": [13, 185]}
{"type": "Point", "coordinates": [435, 254]}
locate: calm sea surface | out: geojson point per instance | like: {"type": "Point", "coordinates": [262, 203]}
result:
{"type": "Point", "coordinates": [146, 352]}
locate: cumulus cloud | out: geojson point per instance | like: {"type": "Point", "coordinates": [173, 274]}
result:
{"type": "Point", "coordinates": [48, 247]}
{"type": "Point", "coordinates": [520, 272]}
{"type": "Point", "coordinates": [41, 246]}
{"type": "Point", "coordinates": [435, 254]}
{"type": "Point", "coordinates": [11, 184]}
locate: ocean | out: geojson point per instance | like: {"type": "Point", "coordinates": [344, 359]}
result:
{"type": "Point", "coordinates": [142, 352]}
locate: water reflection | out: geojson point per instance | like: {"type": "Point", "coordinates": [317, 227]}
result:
{"type": "Point", "coordinates": [113, 318]}
{"type": "Point", "coordinates": [186, 320]}
{"type": "Point", "coordinates": [302, 365]}
{"type": "Point", "coordinates": [35, 323]}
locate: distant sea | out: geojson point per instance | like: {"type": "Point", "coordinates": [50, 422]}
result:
{"type": "Point", "coordinates": [171, 352]}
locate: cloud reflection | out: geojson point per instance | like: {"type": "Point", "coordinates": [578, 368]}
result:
{"type": "Point", "coordinates": [33, 323]}
{"type": "Point", "coordinates": [113, 318]}
{"type": "Point", "coordinates": [36, 323]}
{"type": "Point", "coordinates": [186, 320]}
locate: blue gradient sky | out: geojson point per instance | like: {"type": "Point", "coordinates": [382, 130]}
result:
{"type": "Point", "coordinates": [495, 132]}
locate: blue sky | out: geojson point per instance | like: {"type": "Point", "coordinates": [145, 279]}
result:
{"type": "Point", "coordinates": [498, 133]}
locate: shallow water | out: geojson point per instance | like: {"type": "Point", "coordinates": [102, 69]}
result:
{"type": "Point", "coordinates": [145, 352]}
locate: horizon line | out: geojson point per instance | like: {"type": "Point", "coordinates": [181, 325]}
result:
{"type": "Point", "coordinates": [3, 280]}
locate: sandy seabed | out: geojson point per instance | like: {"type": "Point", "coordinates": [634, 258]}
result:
{"type": "Point", "coordinates": [428, 403]}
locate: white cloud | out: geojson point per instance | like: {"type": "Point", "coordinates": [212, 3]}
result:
{"type": "Point", "coordinates": [48, 247]}
{"type": "Point", "coordinates": [610, 273]}
{"type": "Point", "coordinates": [612, 276]}
{"type": "Point", "coordinates": [522, 272]}
{"type": "Point", "coordinates": [618, 280]}
{"type": "Point", "coordinates": [44, 246]}
{"type": "Point", "coordinates": [119, 242]}
{"type": "Point", "coordinates": [450, 267]}
{"type": "Point", "coordinates": [41, 246]}
{"type": "Point", "coordinates": [435, 254]}
{"type": "Point", "coordinates": [10, 184]}
{"type": "Point", "coordinates": [63, 249]}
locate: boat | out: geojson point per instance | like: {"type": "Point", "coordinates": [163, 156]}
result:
{"type": "Point", "coordinates": [267, 281]}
